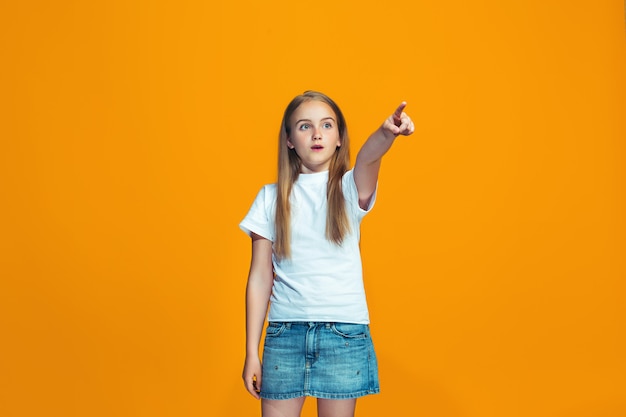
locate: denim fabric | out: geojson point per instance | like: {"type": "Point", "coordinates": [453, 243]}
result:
{"type": "Point", "coordinates": [323, 360]}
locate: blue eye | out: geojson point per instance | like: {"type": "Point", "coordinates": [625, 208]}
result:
{"type": "Point", "coordinates": [304, 126]}
{"type": "Point", "coordinates": [328, 125]}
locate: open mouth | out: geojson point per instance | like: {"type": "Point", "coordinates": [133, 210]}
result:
{"type": "Point", "coordinates": [317, 147]}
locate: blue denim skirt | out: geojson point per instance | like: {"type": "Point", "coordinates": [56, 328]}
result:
{"type": "Point", "coordinates": [323, 360]}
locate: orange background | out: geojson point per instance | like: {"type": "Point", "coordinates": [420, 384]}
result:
{"type": "Point", "coordinates": [135, 135]}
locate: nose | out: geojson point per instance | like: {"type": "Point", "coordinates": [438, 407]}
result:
{"type": "Point", "coordinates": [317, 135]}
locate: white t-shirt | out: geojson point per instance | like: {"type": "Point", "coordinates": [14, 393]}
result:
{"type": "Point", "coordinates": [321, 281]}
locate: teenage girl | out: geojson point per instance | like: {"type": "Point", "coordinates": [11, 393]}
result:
{"type": "Point", "coordinates": [306, 264]}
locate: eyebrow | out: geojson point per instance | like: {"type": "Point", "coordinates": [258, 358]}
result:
{"type": "Point", "coordinates": [308, 120]}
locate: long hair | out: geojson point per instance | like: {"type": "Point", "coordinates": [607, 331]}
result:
{"type": "Point", "coordinates": [337, 224]}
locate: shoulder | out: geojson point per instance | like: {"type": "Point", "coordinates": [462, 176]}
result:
{"type": "Point", "coordinates": [267, 191]}
{"type": "Point", "coordinates": [260, 217]}
{"type": "Point", "coordinates": [351, 193]}
{"type": "Point", "coordinates": [347, 181]}
{"type": "Point", "coordinates": [348, 186]}
{"type": "Point", "coordinates": [265, 199]}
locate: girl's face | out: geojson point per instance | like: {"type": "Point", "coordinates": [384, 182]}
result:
{"type": "Point", "coordinates": [314, 135]}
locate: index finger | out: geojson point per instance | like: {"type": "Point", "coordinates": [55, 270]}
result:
{"type": "Point", "coordinates": [398, 113]}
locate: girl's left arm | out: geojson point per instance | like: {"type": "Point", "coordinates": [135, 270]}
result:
{"type": "Point", "coordinates": [369, 157]}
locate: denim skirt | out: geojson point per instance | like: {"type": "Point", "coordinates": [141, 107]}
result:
{"type": "Point", "coordinates": [323, 360]}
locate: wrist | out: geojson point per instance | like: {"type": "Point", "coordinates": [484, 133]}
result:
{"type": "Point", "coordinates": [387, 133]}
{"type": "Point", "coordinates": [252, 352]}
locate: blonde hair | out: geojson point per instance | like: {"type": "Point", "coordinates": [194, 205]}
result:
{"type": "Point", "coordinates": [289, 164]}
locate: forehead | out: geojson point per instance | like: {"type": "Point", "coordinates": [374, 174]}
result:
{"type": "Point", "coordinates": [313, 110]}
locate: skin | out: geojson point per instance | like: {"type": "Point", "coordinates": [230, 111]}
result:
{"type": "Point", "coordinates": [315, 137]}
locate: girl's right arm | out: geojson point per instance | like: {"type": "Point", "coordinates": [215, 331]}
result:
{"type": "Point", "coordinates": [258, 290]}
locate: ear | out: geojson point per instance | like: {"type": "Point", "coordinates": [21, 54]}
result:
{"type": "Point", "coordinates": [289, 144]}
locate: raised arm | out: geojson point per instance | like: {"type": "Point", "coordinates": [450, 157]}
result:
{"type": "Point", "coordinates": [368, 160]}
{"type": "Point", "coordinates": [258, 292]}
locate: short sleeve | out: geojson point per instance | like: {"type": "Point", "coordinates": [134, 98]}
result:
{"type": "Point", "coordinates": [352, 194]}
{"type": "Point", "coordinates": [260, 217]}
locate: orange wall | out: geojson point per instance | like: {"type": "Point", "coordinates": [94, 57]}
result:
{"type": "Point", "coordinates": [134, 136]}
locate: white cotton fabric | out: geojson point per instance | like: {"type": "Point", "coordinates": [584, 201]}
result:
{"type": "Point", "coordinates": [321, 281]}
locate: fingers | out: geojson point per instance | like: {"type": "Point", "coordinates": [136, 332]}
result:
{"type": "Point", "coordinates": [400, 123]}
{"type": "Point", "coordinates": [257, 384]}
{"type": "Point", "coordinates": [397, 115]}
{"type": "Point", "coordinates": [252, 376]}
{"type": "Point", "coordinates": [253, 386]}
{"type": "Point", "coordinates": [252, 382]}
{"type": "Point", "coordinates": [407, 127]}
